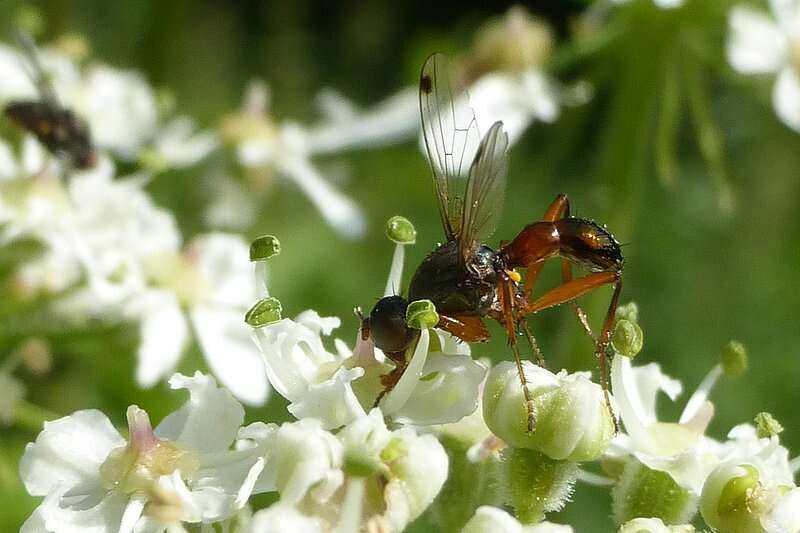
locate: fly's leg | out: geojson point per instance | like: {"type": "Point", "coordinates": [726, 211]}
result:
{"type": "Point", "coordinates": [390, 379]}
{"type": "Point", "coordinates": [506, 288]}
{"type": "Point", "coordinates": [578, 287]}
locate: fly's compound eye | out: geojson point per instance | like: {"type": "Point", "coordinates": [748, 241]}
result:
{"type": "Point", "coordinates": [387, 324]}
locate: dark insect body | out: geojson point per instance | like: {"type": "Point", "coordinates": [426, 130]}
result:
{"type": "Point", "coordinates": [466, 279]}
{"type": "Point", "coordinates": [60, 130]}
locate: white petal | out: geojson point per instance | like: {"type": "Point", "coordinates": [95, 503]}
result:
{"type": "Point", "coordinates": [103, 517]}
{"type": "Point", "coordinates": [786, 98]}
{"type": "Point", "coordinates": [293, 353]}
{"type": "Point", "coordinates": [120, 108]}
{"type": "Point", "coordinates": [305, 456]}
{"type": "Point", "coordinates": [181, 146]}
{"type": "Point", "coordinates": [69, 452]}
{"type": "Point", "coordinates": [209, 421]}
{"type": "Point", "coordinates": [164, 333]}
{"type": "Point", "coordinates": [389, 122]}
{"type": "Point", "coordinates": [342, 213]}
{"type": "Point", "coordinates": [755, 43]}
{"type": "Point", "coordinates": [784, 516]}
{"type": "Point", "coordinates": [332, 401]}
{"type": "Point", "coordinates": [399, 395]}
{"type": "Point", "coordinates": [17, 83]}
{"type": "Point", "coordinates": [418, 476]}
{"type": "Point", "coordinates": [447, 392]}
{"type": "Point", "coordinates": [281, 518]}
{"type": "Point", "coordinates": [226, 342]}
{"type": "Point", "coordinates": [223, 260]}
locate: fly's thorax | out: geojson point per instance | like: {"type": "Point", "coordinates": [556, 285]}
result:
{"type": "Point", "coordinates": [456, 288]}
{"type": "Point", "coordinates": [588, 244]}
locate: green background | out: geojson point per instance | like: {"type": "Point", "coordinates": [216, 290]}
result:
{"type": "Point", "coordinates": [664, 98]}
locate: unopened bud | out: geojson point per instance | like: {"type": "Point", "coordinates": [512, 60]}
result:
{"type": "Point", "coordinates": [265, 311]}
{"type": "Point", "coordinates": [421, 314]}
{"type": "Point", "coordinates": [734, 359]}
{"type": "Point", "coordinates": [572, 421]}
{"type": "Point", "coordinates": [264, 247]}
{"type": "Point", "coordinates": [627, 338]}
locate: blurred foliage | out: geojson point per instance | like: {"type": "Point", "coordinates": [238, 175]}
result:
{"type": "Point", "coordinates": [669, 130]}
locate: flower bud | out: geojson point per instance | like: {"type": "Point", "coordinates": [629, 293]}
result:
{"type": "Point", "coordinates": [265, 311]}
{"type": "Point", "coordinates": [422, 314]}
{"type": "Point", "coordinates": [264, 247]}
{"type": "Point", "coordinates": [537, 483]}
{"type": "Point", "coordinates": [627, 338]}
{"type": "Point", "coordinates": [653, 525]}
{"type": "Point", "coordinates": [400, 230]}
{"type": "Point", "coordinates": [767, 426]}
{"type": "Point", "coordinates": [644, 492]}
{"type": "Point", "coordinates": [572, 420]}
{"type": "Point", "coordinates": [733, 499]}
{"type": "Point", "coordinates": [734, 359]}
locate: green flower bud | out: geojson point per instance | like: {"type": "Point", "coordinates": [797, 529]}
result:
{"type": "Point", "coordinates": [628, 338]}
{"type": "Point", "coordinates": [537, 483]}
{"type": "Point", "coordinates": [767, 426]}
{"type": "Point", "coordinates": [421, 314]}
{"type": "Point", "coordinates": [572, 420]}
{"type": "Point", "coordinates": [731, 499]}
{"type": "Point", "coordinates": [400, 230]}
{"type": "Point", "coordinates": [653, 525]}
{"type": "Point", "coordinates": [644, 492]}
{"type": "Point", "coordinates": [264, 247]}
{"type": "Point", "coordinates": [629, 311]}
{"type": "Point", "coordinates": [734, 359]}
{"type": "Point", "coordinates": [265, 311]}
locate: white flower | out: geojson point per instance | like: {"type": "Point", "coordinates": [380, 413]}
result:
{"type": "Point", "coordinates": [516, 98]}
{"type": "Point", "coordinates": [94, 480]}
{"type": "Point", "coordinates": [760, 44]}
{"type": "Point", "coordinates": [679, 449]}
{"type": "Point", "coordinates": [261, 144]}
{"type": "Point", "coordinates": [652, 525]}
{"type": "Point", "coordinates": [209, 286]}
{"type": "Point", "coordinates": [493, 520]}
{"type": "Point", "coordinates": [337, 388]}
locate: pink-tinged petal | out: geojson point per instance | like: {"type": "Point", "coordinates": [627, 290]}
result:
{"type": "Point", "coordinates": [226, 342]}
{"type": "Point", "coordinates": [756, 44]}
{"type": "Point", "coordinates": [786, 98]}
{"type": "Point", "coordinates": [164, 332]}
{"type": "Point", "coordinates": [69, 452]}
{"type": "Point", "coordinates": [209, 421]}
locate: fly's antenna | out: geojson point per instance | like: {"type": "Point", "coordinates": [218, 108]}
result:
{"type": "Point", "coordinates": [34, 67]}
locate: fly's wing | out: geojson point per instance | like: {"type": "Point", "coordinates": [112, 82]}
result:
{"type": "Point", "coordinates": [36, 71]}
{"type": "Point", "coordinates": [485, 189]}
{"type": "Point", "coordinates": [451, 138]}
